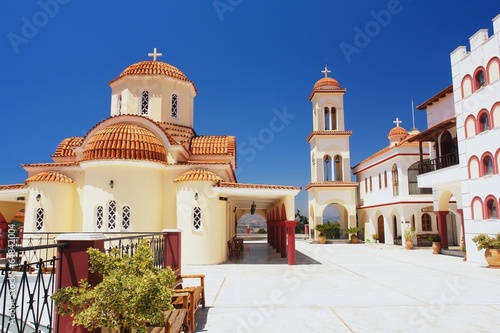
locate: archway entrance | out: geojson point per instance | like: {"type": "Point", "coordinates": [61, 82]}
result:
{"type": "Point", "coordinates": [380, 228]}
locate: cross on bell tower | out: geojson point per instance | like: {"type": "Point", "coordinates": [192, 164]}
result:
{"type": "Point", "coordinates": [326, 71]}
{"type": "Point", "coordinates": [155, 54]}
{"type": "Point", "coordinates": [397, 122]}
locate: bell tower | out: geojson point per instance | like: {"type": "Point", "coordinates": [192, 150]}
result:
{"type": "Point", "coordinates": [330, 155]}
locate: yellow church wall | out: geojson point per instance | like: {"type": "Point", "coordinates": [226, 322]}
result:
{"type": "Point", "coordinates": [9, 209]}
{"type": "Point", "coordinates": [208, 244]}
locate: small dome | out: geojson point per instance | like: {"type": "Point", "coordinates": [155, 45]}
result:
{"type": "Point", "coordinates": [327, 83]}
{"type": "Point", "coordinates": [152, 67]}
{"type": "Point", "coordinates": [198, 174]}
{"type": "Point", "coordinates": [50, 176]}
{"type": "Point", "coordinates": [124, 141]}
{"type": "Point", "coordinates": [398, 131]}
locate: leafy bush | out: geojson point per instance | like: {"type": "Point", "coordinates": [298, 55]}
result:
{"type": "Point", "coordinates": [261, 231]}
{"type": "Point", "coordinates": [410, 234]}
{"type": "Point", "coordinates": [434, 238]}
{"type": "Point", "coordinates": [484, 241]}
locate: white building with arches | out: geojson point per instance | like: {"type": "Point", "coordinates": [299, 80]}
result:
{"type": "Point", "coordinates": [330, 155]}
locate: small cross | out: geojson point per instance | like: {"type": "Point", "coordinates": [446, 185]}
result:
{"type": "Point", "coordinates": [326, 71]}
{"type": "Point", "coordinates": [154, 54]}
{"type": "Point", "coordinates": [397, 122]}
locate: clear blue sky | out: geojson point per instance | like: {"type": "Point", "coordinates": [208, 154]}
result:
{"type": "Point", "coordinates": [248, 59]}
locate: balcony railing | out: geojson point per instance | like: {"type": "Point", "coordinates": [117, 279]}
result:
{"type": "Point", "coordinates": [441, 162]}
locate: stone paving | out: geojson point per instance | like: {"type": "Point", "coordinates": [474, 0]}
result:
{"type": "Point", "coordinates": [348, 288]}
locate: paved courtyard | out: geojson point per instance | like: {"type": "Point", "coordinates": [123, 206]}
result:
{"type": "Point", "coordinates": [348, 288]}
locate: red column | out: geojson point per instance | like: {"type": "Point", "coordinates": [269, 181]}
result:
{"type": "Point", "coordinates": [278, 237]}
{"type": "Point", "coordinates": [74, 266]}
{"type": "Point", "coordinates": [283, 249]}
{"type": "Point", "coordinates": [443, 230]}
{"type": "Point", "coordinates": [172, 249]}
{"type": "Point", "coordinates": [290, 231]}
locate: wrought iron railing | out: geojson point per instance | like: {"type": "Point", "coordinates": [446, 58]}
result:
{"type": "Point", "coordinates": [128, 245]}
{"type": "Point", "coordinates": [442, 162]}
{"type": "Point", "coordinates": [25, 289]}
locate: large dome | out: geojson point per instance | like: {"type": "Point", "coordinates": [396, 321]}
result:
{"type": "Point", "coordinates": [153, 67]}
{"type": "Point", "coordinates": [124, 141]}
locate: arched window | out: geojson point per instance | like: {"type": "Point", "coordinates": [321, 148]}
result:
{"type": "Point", "coordinates": [327, 119]}
{"type": "Point", "coordinates": [385, 179]}
{"type": "Point", "coordinates": [126, 217]}
{"type": "Point", "coordinates": [120, 104]}
{"type": "Point", "coordinates": [327, 168]}
{"type": "Point", "coordinates": [379, 181]}
{"type": "Point", "coordinates": [338, 167]}
{"type": "Point", "coordinates": [413, 188]}
{"type": "Point", "coordinates": [334, 118]}
{"type": "Point", "coordinates": [174, 110]}
{"type": "Point", "coordinates": [487, 165]}
{"type": "Point", "coordinates": [99, 217]}
{"type": "Point", "coordinates": [484, 123]}
{"type": "Point", "coordinates": [491, 209]}
{"type": "Point", "coordinates": [395, 180]}
{"type": "Point", "coordinates": [145, 103]}
{"type": "Point", "coordinates": [112, 215]}
{"type": "Point", "coordinates": [197, 219]}
{"type": "Point", "coordinates": [39, 219]}
{"type": "Point", "coordinates": [426, 222]}
{"type": "Point", "coordinates": [479, 79]}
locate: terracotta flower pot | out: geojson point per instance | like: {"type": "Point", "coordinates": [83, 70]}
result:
{"type": "Point", "coordinates": [492, 256]}
{"type": "Point", "coordinates": [436, 247]}
{"type": "Point", "coordinates": [322, 239]}
{"type": "Point", "coordinates": [409, 245]}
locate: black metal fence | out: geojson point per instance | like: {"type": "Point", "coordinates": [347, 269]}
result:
{"type": "Point", "coordinates": [444, 161]}
{"type": "Point", "coordinates": [25, 289]}
{"type": "Point", "coordinates": [127, 245]}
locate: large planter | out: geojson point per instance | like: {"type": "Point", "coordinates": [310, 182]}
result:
{"type": "Point", "coordinates": [322, 239]}
{"type": "Point", "coordinates": [436, 247]}
{"type": "Point", "coordinates": [409, 245]}
{"type": "Point", "coordinates": [492, 256]}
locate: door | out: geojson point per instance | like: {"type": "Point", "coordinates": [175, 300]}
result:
{"type": "Point", "coordinates": [380, 228]}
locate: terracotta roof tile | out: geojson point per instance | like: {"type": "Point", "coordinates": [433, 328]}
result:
{"type": "Point", "coordinates": [258, 186]}
{"type": "Point", "coordinates": [65, 148]}
{"type": "Point", "coordinates": [335, 183]}
{"type": "Point", "coordinates": [198, 174]}
{"type": "Point", "coordinates": [398, 131]}
{"type": "Point", "coordinates": [213, 145]}
{"type": "Point", "coordinates": [50, 164]}
{"type": "Point", "coordinates": [50, 176]}
{"type": "Point", "coordinates": [124, 141]}
{"type": "Point", "coordinates": [12, 187]}
{"type": "Point", "coordinates": [313, 133]}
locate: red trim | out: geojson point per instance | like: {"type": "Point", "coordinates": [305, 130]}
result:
{"type": "Point", "coordinates": [476, 159]}
{"type": "Point", "coordinates": [399, 203]}
{"type": "Point", "coordinates": [473, 119]}
{"type": "Point", "coordinates": [492, 60]}
{"type": "Point", "coordinates": [479, 128]}
{"type": "Point", "coordinates": [493, 164]}
{"type": "Point", "coordinates": [495, 108]}
{"type": "Point", "coordinates": [462, 85]}
{"type": "Point", "coordinates": [472, 206]}
{"type": "Point", "coordinates": [474, 81]}
{"type": "Point", "coordinates": [486, 213]}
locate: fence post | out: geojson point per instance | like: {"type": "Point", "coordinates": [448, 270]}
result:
{"type": "Point", "coordinates": [172, 248]}
{"type": "Point", "coordinates": [74, 266]}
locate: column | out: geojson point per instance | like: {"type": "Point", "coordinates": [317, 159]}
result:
{"type": "Point", "coordinates": [443, 230]}
{"type": "Point", "coordinates": [74, 266]}
{"type": "Point", "coordinates": [172, 249]}
{"type": "Point", "coordinates": [290, 231]}
{"type": "Point", "coordinates": [283, 239]}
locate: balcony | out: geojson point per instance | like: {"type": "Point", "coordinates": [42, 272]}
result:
{"type": "Point", "coordinates": [441, 162]}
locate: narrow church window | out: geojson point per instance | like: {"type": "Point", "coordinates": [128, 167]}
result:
{"type": "Point", "coordinates": [126, 217]}
{"type": "Point", "coordinates": [366, 185]}
{"type": "Point", "coordinates": [379, 181]}
{"type": "Point", "coordinates": [145, 103]}
{"type": "Point", "coordinates": [327, 119]}
{"type": "Point", "coordinates": [99, 215]}
{"type": "Point", "coordinates": [480, 79]}
{"type": "Point", "coordinates": [338, 168]}
{"type": "Point", "coordinates": [395, 180]}
{"type": "Point", "coordinates": [385, 179]}
{"type": "Point", "coordinates": [484, 124]}
{"type": "Point", "coordinates": [491, 209]}
{"type": "Point", "coordinates": [112, 215]}
{"type": "Point", "coordinates": [197, 218]}
{"type": "Point", "coordinates": [333, 117]}
{"type": "Point", "coordinates": [174, 112]}
{"type": "Point", "coordinates": [327, 168]}
{"type": "Point", "coordinates": [120, 104]}
{"type": "Point", "coordinates": [371, 188]}
{"type": "Point", "coordinates": [488, 165]}
{"type": "Point", "coordinates": [39, 219]}
{"type": "Point", "coordinates": [426, 222]}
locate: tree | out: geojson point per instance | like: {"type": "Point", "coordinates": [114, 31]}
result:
{"type": "Point", "coordinates": [132, 293]}
{"type": "Point", "coordinates": [301, 222]}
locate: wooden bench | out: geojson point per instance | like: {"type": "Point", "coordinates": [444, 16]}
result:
{"type": "Point", "coordinates": [189, 297]}
{"type": "Point", "coordinates": [423, 239]}
{"type": "Point", "coordinates": [175, 322]}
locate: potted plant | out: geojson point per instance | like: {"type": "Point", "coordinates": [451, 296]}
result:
{"type": "Point", "coordinates": [409, 235]}
{"type": "Point", "coordinates": [375, 238]}
{"type": "Point", "coordinates": [353, 233]}
{"type": "Point", "coordinates": [436, 243]}
{"type": "Point", "coordinates": [491, 246]}
{"type": "Point", "coordinates": [132, 293]}
{"type": "Point", "coordinates": [322, 228]}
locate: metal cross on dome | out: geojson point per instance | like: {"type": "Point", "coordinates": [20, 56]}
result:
{"type": "Point", "coordinates": [397, 122]}
{"type": "Point", "coordinates": [326, 71]}
{"type": "Point", "coordinates": [155, 54]}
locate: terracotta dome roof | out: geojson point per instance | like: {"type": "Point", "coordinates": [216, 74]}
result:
{"type": "Point", "coordinates": [152, 67]}
{"type": "Point", "coordinates": [124, 141]}
{"type": "Point", "coordinates": [199, 174]}
{"type": "Point", "coordinates": [327, 83]}
{"type": "Point", "coordinates": [50, 176]}
{"type": "Point", "coordinates": [66, 146]}
{"type": "Point", "coordinates": [398, 131]}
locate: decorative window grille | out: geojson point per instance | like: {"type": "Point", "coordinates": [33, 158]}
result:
{"type": "Point", "coordinates": [126, 217]}
{"type": "Point", "coordinates": [145, 103]}
{"type": "Point", "coordinates": [112, 215]}
{"type": "Point", "coordinates": [39, 219]}
{"type": "Point", "coordinates": [120, 104]}
{"type": "Point", "coordinates": [174, 112]}
{"type": "Point", "coordinates": [99, 216]}
{"type": "Point", "coordinates": [197, 218]}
